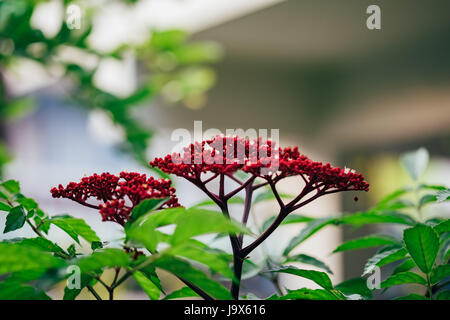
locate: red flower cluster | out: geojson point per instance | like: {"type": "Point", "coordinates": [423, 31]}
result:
{"type": "Point", "coordinates": [226, 155]}
{"type": "Point", "coordinates": [221, 155]}
{"type": "Point", "coordinates": [119, 194]}
{"type": "Point", "coordinates": [293, 163]}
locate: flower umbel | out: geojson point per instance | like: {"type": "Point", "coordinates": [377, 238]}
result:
{"type": "Point", "coordinates": [118, 195]}
{"type": "Point", "coordinates": [265, 164]}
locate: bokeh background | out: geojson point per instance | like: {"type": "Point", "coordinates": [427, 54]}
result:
{"type": "Point", "coordinates": [343, 93]}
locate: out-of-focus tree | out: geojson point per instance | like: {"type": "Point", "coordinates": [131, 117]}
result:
{"type": "Point", "coordinates": [169, 66]}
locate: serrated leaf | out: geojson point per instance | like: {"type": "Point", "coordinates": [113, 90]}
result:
{"type": "Point", "coordinates": [403, 278]}
{"type": "Point", "coordinates": [384, 256]}
{"type": "Point", "coordinates": [422, 243]}
{"type": "Point", "coordinates": [355, 286]}
{"type": "Point", "coordinates": [184, 270]}
{"type": "Point", "coordinates": [320, 278]}
{"type": "Point", "coordinates": [306, 294]}
{"type": "Point", "coordinates": [184, 292]}
{"type": "Point", "coordinates": [75, 227]}
{"type": "Point", "coordinates": [292, 218]}
{"type": "Point", "coordinates": [107, 258]}
{"type": "Point", "coordinates": [366, 242]}
{"type": "Point", "coordinates": [406, 265]}
{"type": "Point", "coordinates": [439, 273]}
{"type": "Point", "coordinates": [147, 285]}
{"type": "Point", "coordinates": [15, 219]}
{"type": "Point", "coordinates": [415, 162]}
{"type": "Point", "coordinates": [306, 259]}
{"type": "Point", "coordinates": [15, 257]}
{"type": "Point", "coordinates": [310, 229]}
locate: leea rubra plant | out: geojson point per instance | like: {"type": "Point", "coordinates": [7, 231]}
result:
{"type": "Point", "coordinates": [229, 170]}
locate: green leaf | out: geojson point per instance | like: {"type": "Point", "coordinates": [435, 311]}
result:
{"type": "Point", "coordinates": [442, 227]}
{"type": "Point", "coordinates": [384, 256]}
{"type": "Point", "coordinates": [150, 272]}
{"type": "Point", "coordinates": [28, 203]}
{"type": "Point", "coordinates": [15, 257]}
{"type": "Point", "coordinates": [15, 219]}
{"type": "Point", "coordinates": [4, 207]}
{"type": "Point", "coordinates": [426, 199]}
{"type": "Point", "coordinates": [422, 243]}
{"type": "Point", "coordinates": [439, 273]}
{"type": "Point", "coordinates": [184, 270]}
{"type": "Point", "coordinates": [189, 223]}
{"type": "Point", "coordinates": [215, 260]}
{"type": "Point", "coordinates": [184, 292]}
{"type": "Point", "coordinates": [75, 227]}
{"type": "Point", "coordinates": [16, 291]}
{"type": "Point", "coordinates": [403, 278]}
{"type": "Point", "coordinates": [386, 202]}
{"type": "Point", "coordinates": [355, 286]}
{"type": "Point", "coordinates": [306, 294]}
{"type": "Point", "coordinates": [415, 162]}
{"type": "Point", "coordinates": [431, 187]}
{"type": "Point", "coordinates": [412, 296]}
{"type": "Point", "coordinates": [373, 216]}
{"type": "Point", "coordinates": [269, 195]}
{"type": "Point", "coordinates": [12, 186]}
{"type": "Point", "coordinates": [303, 258]}
{"type": "Point", "coordinates": [292, 218]}
{"type": "Point", "coordinates": [207, 203]}
{"type": "Point", "coordinates": [146, 206]}
{"type": "Point", "coordinates": [42, 243]}
{"type": "Point", "coordinates": [197, 222]}
{"type": "Point", "coordinates": [96, 245]}
{"type": "Point", "coordinates": [107, 258]}
{"type": "Point", "coordinates": [366, 242]}
{"type": "Point", "coordinates": [310, 229]}
{"type": "Point", "coordinates": [147, 285]}
{"type": "Point", "coordinates": [321, 278]}
{"type": "Point", "coordinates": [406, 265]}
